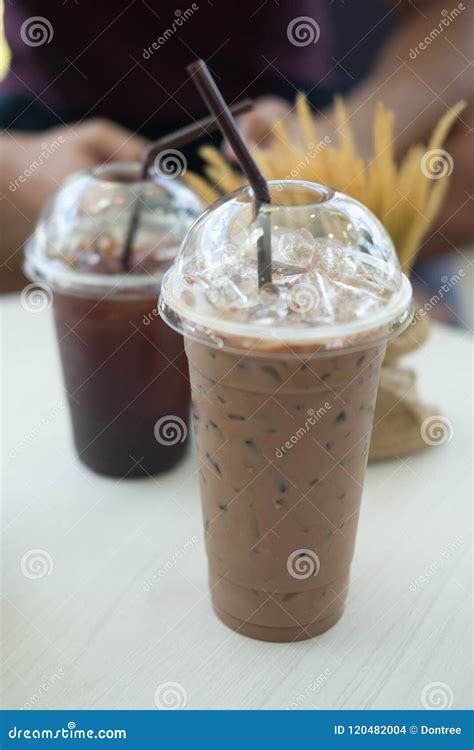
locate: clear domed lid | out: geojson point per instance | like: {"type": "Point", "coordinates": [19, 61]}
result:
{"type": "Point", "coordinates": [335, 271]}
{"type": "Point", "coordinates": [80, 236]}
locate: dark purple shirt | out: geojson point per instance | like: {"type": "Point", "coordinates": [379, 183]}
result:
{"type": "Point", "coordinates": [126, 59]}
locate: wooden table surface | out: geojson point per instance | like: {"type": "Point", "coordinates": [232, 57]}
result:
{"type": "Point", "coordinates": [123, 608]}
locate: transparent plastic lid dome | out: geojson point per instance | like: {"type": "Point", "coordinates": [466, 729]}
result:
{"type": "Point", "coordinates": [335, 272]}
{"type": "Point", "coordinates": [80, 236]}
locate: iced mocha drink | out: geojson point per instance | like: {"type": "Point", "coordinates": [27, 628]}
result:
{"type": "Point", "coordinates": [284, 382]}
{"type": "Point", "coordinates": [283, 446]}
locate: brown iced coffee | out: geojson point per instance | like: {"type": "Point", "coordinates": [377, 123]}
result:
{"type": "Point", "coordinates": [284, 381]}
{"type": "Point", "coordinates": [125, 371]}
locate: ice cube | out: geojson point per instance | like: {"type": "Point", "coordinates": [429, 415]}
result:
{"type": "Point", "coordinates": [270, 305]}
{"type": "Point", "coordinates": [294, 247]}
{"type": "Point", "coordinates": [283, 273]}
{"type": "Point", "coordinates": [354, 302]}
{"type": "Point", "coordinates": [311, 298]}
{"type": "Point", "coordinates": [224, 293]}
{"type": "Point", "coordinates": [330, 258]}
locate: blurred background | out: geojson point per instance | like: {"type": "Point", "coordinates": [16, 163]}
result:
{"type": "Point", "coordinates": [82, 87]}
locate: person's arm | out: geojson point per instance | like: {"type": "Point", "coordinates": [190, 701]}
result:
{"type": "Point", "coordinates": [454, 226]}
{"type": "Point", "coordinates": [32, 167]}
{"type": "Point", "coordinates": [422, 70]}
{"type": "Point", "coordinates": [416, 79]}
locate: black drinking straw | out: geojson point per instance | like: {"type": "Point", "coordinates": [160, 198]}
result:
{"type": "Point", "coordinates": [179, 138]}
{"type": "Point", "coordinates": [225, 121]}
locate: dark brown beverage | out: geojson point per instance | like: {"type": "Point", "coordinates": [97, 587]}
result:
{"type": "Point", "coordinates": [124, 370]}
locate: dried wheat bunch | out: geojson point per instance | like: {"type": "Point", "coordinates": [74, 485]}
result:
{"type": "Point", "coordinates": [406, 195]}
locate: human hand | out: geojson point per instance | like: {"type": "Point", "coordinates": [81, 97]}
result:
{"type": "Point", "coordinates": [256, 125]}
{"type": "Point", "coordinates": [35, 164]}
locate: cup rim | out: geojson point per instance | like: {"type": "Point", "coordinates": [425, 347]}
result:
{"type": "Point", "coordinates": [64, 278]}
{"type": "Point", "coordinates": [130, 167]}
{"type": "Point", "coordinates": [203, 328]}
{"type": "Point", "coordinates": [39, 267]}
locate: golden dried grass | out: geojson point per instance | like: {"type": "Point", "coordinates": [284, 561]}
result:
{"type": "Point", "coordinates": [402, 194]}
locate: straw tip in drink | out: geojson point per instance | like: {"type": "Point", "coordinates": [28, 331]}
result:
{"type": "Point", "coordinates": [215, 101]}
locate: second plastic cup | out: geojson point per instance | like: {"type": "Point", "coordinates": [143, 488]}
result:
{"type": "Point", "coordinates": [284, 382]}
{"type": "Point", "coordinates": [125, 371]}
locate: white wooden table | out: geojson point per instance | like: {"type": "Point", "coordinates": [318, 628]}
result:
{"type": "Point", "coordinates": [125, 606]}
